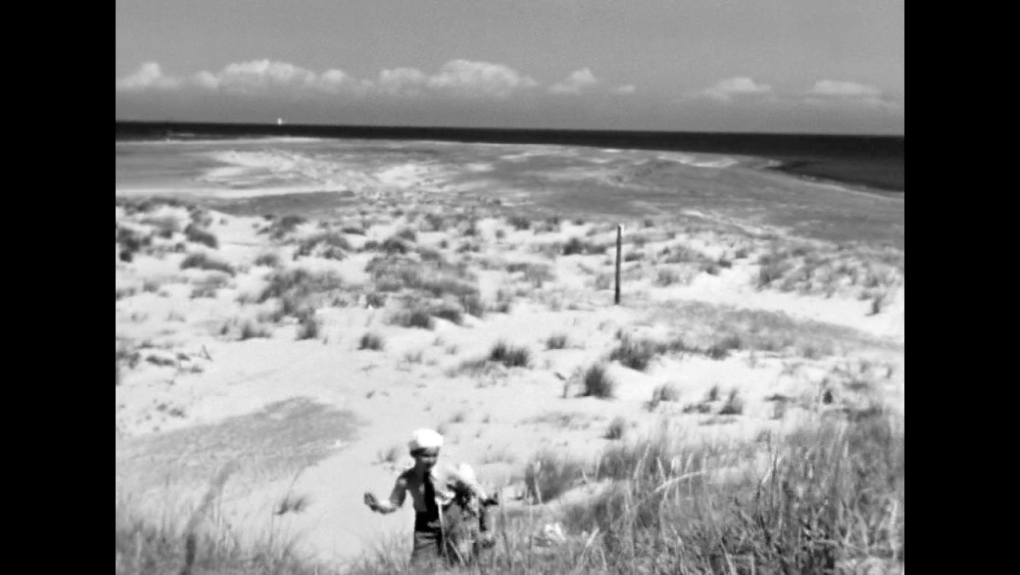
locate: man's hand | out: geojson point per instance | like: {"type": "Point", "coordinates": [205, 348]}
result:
{"type": "Point", "coordinates": [371, 501]}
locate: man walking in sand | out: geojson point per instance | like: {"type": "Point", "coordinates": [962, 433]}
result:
{"type": "Point", "coordinates": [420, 481]}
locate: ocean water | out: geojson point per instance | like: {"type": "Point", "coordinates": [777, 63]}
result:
{"type": "Point", "coordinates": [875, 163]}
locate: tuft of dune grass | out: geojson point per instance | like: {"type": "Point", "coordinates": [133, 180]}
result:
{"type": "Point", "coordinates": [509, 356]}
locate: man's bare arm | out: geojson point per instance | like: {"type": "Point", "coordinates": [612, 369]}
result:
{"type": "Point", "coordinates": [395, 501]}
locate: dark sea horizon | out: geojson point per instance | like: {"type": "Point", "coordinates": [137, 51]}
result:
{"type": "Point", "coordinates": [871, 161]}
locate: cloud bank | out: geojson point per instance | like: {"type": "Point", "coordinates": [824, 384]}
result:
{"type": "Point", "coordinates": [458, 78]}
{"type": "Point", "coordinates": [839, 93]}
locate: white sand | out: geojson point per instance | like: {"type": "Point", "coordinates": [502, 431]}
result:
{"type": "Point", "coordinates": [415, 381]}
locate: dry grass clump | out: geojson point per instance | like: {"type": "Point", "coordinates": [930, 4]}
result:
{"type": "Point", "coordinates": [472, 304]}
{"type": "Point", "coordinates": [519, 223]}
{"type": "Point", "coordinates": [165, 226]}
{"type": "Point", "coordinates": [202, 261]}
{"type": "Point", "coordinates": [375, 299]}
{"type": "Point", "coordinates": [604, 281]}
{"type": "Point", "coordinates": [576, 246]}
{"type": "Point", "coordinates": [469, 228]}
{"type": "Point", "coordinates": [504, 302]}
{"type": "Point", "coordinates": [666, 277]}
{"type": "Point", "coordinates": [734, 404]}
{"type": "Point", "coordinates": [417, 317]}
{"type": "Point", "coordinates": [396, 273]}
{"type": "Point", "coordinates": [199, 235]}
{"type": "Point", "coordinates": [711, 326]}
{"type": "Point", "coordinates": [616, 428]}
{"type": "Point", "coordinates": [637, 354]}
{"type": "Point", "coordinates": [664, 392]}
{"type": "Point", "coordinates": [450, 314]}
{"type": "Point", "coordinates": [371, 341]}
{"type": "Point", "coordinates": [207, 287]}
{"type": "Point", "coordinates": [535, 274]}
{"type": "Point", "coordinates": [556, 341]}
{"type": "Point", "coordinates": [308, 325]}
{"type": "Point", "coordinates": [722, 348]}
{"type": "Point", "coordinates": [281, 227]}
{"type": "Point", "coordinates": [770, 270]}
{"type": "Point", "coordinates": [680, 254]}
{"type": "Point", "coordinates": [509, 356]}
{"type": "Point", "coordinates": [791, 522]}
{"type": "Point", "coordinates": [144, 547]}
{"type": "Point", "coordinates": [549, 475]}
{"type": "Point", "coordinates": [597, 383]}
{"type": "Point", "coordinates": [441, 286]}
{"type": "Point", "coordinates": [853, 270]}
{"type": "Point", "coordinates": [300, 288]}
{"type": "Point", "coordinates": [325, 245]}
{"type": "Point", "coordinates": [250, 330]}
{"type": "Point", "coordinates": [434, 222]}
{"type": "Point", "coordinates": [125, 292]}
{"type": "Point", "coordinates": [131, 242]}
{"type": "Point", "coordinates": [434, 257]}
{"type": "Point", "coordinates": [560, 419]}
{"type": "Point", "coordinates": [271, 260]}
{"type": "Point", "coordinates": [394, 245]}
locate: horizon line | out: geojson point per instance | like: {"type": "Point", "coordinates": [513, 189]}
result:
{"type": "Point", "coordinates": [272, 124]}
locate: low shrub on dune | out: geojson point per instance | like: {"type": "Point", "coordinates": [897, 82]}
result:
{"type": "Point", "coordinates": [198, 235]}
{"type": "Point", "coordinates": [204, 262]}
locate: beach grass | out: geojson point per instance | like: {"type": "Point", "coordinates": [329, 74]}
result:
{"type": "Point", "coordinates": [828, 497]}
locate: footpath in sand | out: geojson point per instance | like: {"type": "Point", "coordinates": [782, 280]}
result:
{"type": "Point", "coordinates": [250, 348]}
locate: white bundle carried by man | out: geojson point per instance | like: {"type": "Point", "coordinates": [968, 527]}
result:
{"type": "Point", "coordinates": [463, 477]}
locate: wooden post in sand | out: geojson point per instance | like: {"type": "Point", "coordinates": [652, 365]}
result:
{"type": "Point", "coordinates": [619, 248]}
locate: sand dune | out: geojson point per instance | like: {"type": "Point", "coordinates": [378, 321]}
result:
{"type": "Point", "coordinates": [248, 347]}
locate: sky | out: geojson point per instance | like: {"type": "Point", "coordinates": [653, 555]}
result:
{"type": "Point", "coordinates": [791, 66]}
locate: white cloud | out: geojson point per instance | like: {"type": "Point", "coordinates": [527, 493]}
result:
{"type": "Point", "coordinates": [457, 77]}
{"type": "Point", "coordinates": [471, 79]}
{"type": "Point", "coordinates": [149, 75]}
{"type": "Point", "coordinates": [259, 75]}
{"type": "Point", "coordinates": [401, 81]}
{"type": "Point", "coordinates": [726, 89]}
{"type": "Point", "coordinates": [206, 80]}
{"type": "Point", "coordinates": [625, 89]}
{"type": "Point", "coordinates": [843, 89]}
{"type": "Point", "coordinates": [335, 81]}
{"type": "Point", "coordinates": [575, 82]}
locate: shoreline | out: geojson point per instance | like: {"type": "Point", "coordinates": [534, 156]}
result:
{"type": "Point", "coordinates": [797, 158]}
{"type": "Point", "coordinates": [802, 170]}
